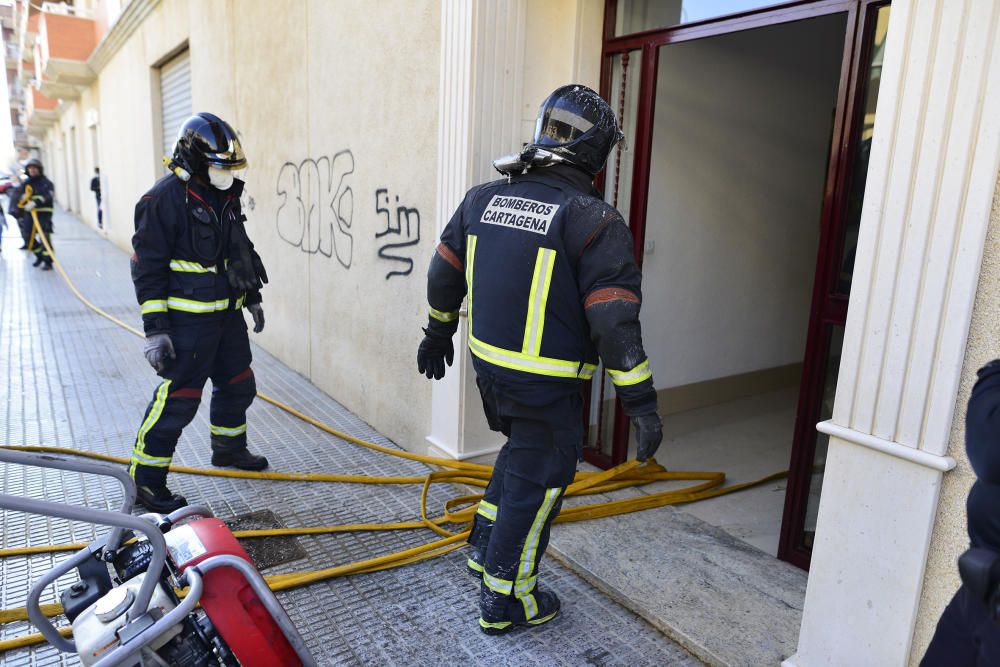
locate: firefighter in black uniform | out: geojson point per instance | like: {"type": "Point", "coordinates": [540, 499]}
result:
{"type": "Point", "coordinates": [194, 270]}
{"type": "Point", "coordinates": [552, 285]}
{"type": "Point", "coordinates": [37, 194]}
{"type": "Point", "coordinates": [968, 634]}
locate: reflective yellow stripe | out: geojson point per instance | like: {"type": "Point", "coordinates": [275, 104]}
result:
{"type": "Point", "coordinates": [239, 302]}
{"type": "Point", "coordinates": [154, 306]}
{"type": "Point", "coordinates": [139, 455]}
{"type": "Point", "coordinates": [630, 377]}
{"type": "Point", "coordinates": [474, 565]}
{"type": "Point", "coordinates": [500, 625]}
{"type": "Point", "coordinates": [543, 619]}
{"type": "Point", "coordinates": [191, 306]}
{"type": "Point", "coordinates": [528, 363]}
{"type": "Point", "coordinates": [520, 361]}
{"type": "Point", "coordinates": [525, 586]}
{"type": "Point", "coordinates": [488, 510]}
{"type": "Point", "coordinates": [229, 432]}
{"type": "Point", "coordinates": [184, 266]}
{"type": "Point", "coordinates": [501, 586]}
{"type": "Point", "coordinates": [545, 261]}
{"type": "Point", "coordinates": [526, 568]}
{"type": "Point", "coordinates": [442, 316]}
{"type": "Point", "coordinates": [470, 261]}
{"type": "Point", "coordinates": [530, 606]}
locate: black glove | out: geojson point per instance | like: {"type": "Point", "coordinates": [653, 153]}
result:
{"type": "Point", "coordinates": [258, 267]}
{"type": "Point", "coordinates": [648, 435]}
{"type": "Point", "coordinates": [243, 270]}
{"type": "Point", "coordinates": [257, 312]}
{"type": "Point", "coordinates": [435, 349]}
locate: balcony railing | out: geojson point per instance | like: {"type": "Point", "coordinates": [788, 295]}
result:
{"type": "Point", "coordinates": [65, 42]}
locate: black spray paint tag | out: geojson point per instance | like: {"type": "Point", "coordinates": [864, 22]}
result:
{"type": "Point", "coordinates": [519, 213]}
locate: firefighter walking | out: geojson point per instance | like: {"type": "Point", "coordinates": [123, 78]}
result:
{"type": "Point", "coordinates": [552, 287]}
{"type": "Point", "coordinates": [195, 270]}
{"type": "Point", "coordinates": [37, 194]}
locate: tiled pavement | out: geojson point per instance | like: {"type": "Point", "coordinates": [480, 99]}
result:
{"type": "Point", "coordinates": [69, 378]}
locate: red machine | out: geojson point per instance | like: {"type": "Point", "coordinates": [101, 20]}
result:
{"type": "Point", "coordinates": [229, 601]}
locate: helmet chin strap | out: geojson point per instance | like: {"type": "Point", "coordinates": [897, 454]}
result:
{"type": "Point", "coordinates": [221, 179]}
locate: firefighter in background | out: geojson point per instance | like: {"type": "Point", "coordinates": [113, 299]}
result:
{"type": "Point", "coordinates": [36, 194]}
{"type": "Point", "coordinates": [194, 270]}
{"type": "Point", "coordinates": [552, 284]}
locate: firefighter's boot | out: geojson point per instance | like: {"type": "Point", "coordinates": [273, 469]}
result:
{"type": "Point", "coordinates": [504, 613]}
{"type": "Point", "coordinates": [234, 456]}
{"type": "Point", "coordinates": [159, 499]}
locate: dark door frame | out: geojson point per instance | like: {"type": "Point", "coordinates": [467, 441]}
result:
{"type": "Point", "coordinates": [826, 307]}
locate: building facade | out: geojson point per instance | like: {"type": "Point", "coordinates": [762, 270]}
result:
{"type": "Point", "coordinates": [811, 185]}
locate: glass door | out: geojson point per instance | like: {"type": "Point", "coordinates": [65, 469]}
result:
{"type": "Point", "coordinates": [835, 269]}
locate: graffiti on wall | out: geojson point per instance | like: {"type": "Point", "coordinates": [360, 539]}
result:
{"type": "Point", "coordinates": [316, 208]}
{"type": "Point", "coordinates": [401, 231]}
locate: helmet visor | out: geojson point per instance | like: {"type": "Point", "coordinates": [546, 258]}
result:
{"type": "Point", "coordinates": [561, 123]}
{"type": "Point", "coordinates": [230, 156]}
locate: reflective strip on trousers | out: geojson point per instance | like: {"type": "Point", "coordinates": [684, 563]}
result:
{"type": "Point", "coordinates": [184, 266]}
{"type": "Point", "coordinates": [475, 566]}
{"type": "Point", "coordinates": [153, 306]}
{"type": "Point", "coordinates": [488, 510]}
{"type": "Point", "coordinates": [630, 377]}
{"type": "Point", "coordinates": [442, 316]}
{"type": "Point", "coordinates": [541, 280]}
{"type": "Point", "coordinates": [191, 306]}
{"type": "Point", "coordinates": [228, 432]}
{"type": "Point", "coordinates": [498, 585]}
{"type": "Point", "coordinates": [139, 455]}
{"type": "Point", "coordinates": [525, 574]}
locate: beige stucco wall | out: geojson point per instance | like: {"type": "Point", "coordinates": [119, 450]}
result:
{"type": "Point", "coordinates": [950, 537]}
{"type": "Point", "coordinates": [337, 106]}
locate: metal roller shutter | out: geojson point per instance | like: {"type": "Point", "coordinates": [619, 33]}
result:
{"type": "Point", "coordinates": [175, 98]}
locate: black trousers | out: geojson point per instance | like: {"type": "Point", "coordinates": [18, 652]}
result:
{"type": "Point", "coordinates": [208, 345]}
{"type": "Point", "coordinates": [524, 495]}
{"type": "Point", "coordinates": [45, 222]}
{"type": "Point", "coordinates": [966, 635]}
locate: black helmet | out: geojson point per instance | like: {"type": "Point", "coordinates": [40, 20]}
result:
{"type": "Point", "coordinates": [34, 162]}
{"type": "Point", "coordinates": [206, 140]}
{"type": "Point", "coordinates": [577, 124]}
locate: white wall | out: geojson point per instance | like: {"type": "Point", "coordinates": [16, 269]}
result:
{"type": "Point", "coordinates": [741, 137]}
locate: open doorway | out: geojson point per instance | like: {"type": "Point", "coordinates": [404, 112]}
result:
{"type": "Point", "coordinates": [742, 184]}
{"type": "Point", "coordinates": [741, 140]}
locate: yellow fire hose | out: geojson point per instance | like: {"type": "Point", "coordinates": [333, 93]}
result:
{"type": "Point", "coordinates": [459, 510]}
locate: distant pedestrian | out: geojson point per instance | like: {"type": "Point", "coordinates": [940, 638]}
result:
{"type": "Point", "coordinates": [95, 187]}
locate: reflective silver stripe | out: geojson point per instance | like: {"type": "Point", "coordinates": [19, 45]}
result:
{"type": "Point", "coordinates": [488, 510]}
{"type": "Point", "coordinates": [527, 566]}
{"type": "Point", "coordinates": [229, 432]}
{"type": "Point", "coordinates": [442, 316]}
{"type": "Point", "coordinates": [191, 306]}
{"type": "Point", "coordinates": [154, 306]}
{"type": "Point", "coordinates": [530, 606]}
{"type": "Point", "coordinates": [575, 121]}
{"type": "Point", "coordinates": [541, 280]}
{"type": "Point", "coordinates": [496, 584]}
{"type": "Point", "coordinates": [239, 302]}
{"type": "Point", "coordinates": [525, 586]}
{"type": "Point", "coordinates": [184, 266]}
{"type": "Point", "coordinates": [630, 377]}
{"type": "Point", "coordinates": [139, 455]}
{"type": "Point", "coordinates": [528, 363]}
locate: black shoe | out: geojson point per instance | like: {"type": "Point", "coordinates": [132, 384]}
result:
{"type": "Point", "coordinates": [38, 260]}
{"type": "Point", "coordinates": [238, 458]}
{"type": "Point", "coordinates": [547, 604]}
{"type": "Point", "coordinates": [159, 499]}
{"type": "Point", "coordinates": [475, 563]}
{"type": "Point", "coordinates": [46, 266]}
{"type": "Point", "coordinates": [23, 247]}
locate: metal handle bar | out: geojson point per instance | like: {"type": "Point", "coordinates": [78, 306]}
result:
{"type": "Point", "coordinates": [86, 515]}
{"type": "Point", "coordinates": [75, 465]}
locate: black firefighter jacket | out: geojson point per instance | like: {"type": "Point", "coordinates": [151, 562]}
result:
{"type": "Point", "coordinates": [183, 242]}
{"type": "Point", "coordinates": [552, 284]}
